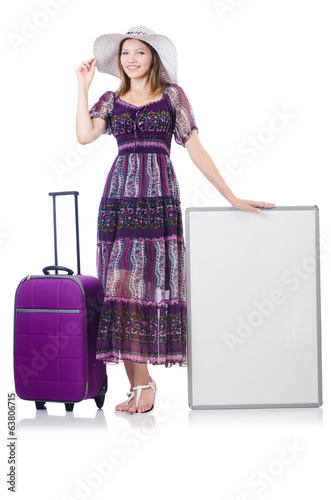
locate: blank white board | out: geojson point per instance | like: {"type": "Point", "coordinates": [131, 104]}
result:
{"type": "Point", "coordinates": [253, 307]}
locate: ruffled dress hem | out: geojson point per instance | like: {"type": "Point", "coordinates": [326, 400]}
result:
{"type": "Point", "coordinates": [110, 359]}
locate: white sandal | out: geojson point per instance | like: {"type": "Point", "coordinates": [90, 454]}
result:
{"type": "Point", "coordinates": [131, 396]}
{"type": "Point", "coordinates": [139, 389]}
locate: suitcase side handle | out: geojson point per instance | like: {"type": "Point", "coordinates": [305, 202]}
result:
{"type": "Point", "coordinates": [57, 268]}
{"type": "Point", "coordinates": [54, 195]}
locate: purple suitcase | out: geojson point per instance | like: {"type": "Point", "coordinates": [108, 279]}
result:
{"type": "Point", "coordinates": [55, 334]}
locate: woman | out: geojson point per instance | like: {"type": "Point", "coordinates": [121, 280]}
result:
{"type": "Point", "coordinates": [141, 250]}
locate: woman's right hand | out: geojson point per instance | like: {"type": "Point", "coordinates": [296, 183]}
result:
{"type": "Point", "coordinates": [86, 70]}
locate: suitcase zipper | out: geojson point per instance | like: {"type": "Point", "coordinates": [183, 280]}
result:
{"type": "Point", "coordinates": [53, 276]}
{"type": "Point", "coordinates": [62, 311]}
{"type": "Point", "coordinates": [26, 278]}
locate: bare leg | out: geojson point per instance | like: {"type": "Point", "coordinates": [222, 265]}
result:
{"type": "Point", "coordinates": [141, 376]}
{"type": "Point", "coordinates": [129, 371]}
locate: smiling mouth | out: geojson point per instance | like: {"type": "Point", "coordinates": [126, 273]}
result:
{"type": "Point", "coordinates": [133, 67]}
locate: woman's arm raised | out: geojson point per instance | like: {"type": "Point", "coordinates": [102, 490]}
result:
{"type": "Point", "coordinates": [87, 129]}
{"type": "Point", "coordinates": [205, 164]}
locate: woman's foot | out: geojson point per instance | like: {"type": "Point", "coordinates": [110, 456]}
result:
{"type": "Point", "coordinates": [146, 399]}
{"type": "Point", "coordinates": [123, 406]}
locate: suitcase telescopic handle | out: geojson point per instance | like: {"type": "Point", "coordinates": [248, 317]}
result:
{"type": "Point", "coordinates": [57, 267]}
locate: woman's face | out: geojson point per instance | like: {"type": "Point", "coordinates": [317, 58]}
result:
{"type": "Point", "coordinates": [136, 58]}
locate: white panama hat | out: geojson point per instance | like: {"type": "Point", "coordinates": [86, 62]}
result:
{"type": "Point", "coordinates": [105, 50]}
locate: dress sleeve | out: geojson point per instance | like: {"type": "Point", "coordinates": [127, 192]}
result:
{"type": "Point", "coordinates": [185, 121]}
{"type": "Point", "coordinates": [103, 108]}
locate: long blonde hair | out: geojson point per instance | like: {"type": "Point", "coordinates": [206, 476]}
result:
{"type": "Point", "coordinates": [155, 77]}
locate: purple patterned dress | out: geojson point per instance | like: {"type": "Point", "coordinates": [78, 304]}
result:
{"type": "Point", "coordinates": [141, 249]}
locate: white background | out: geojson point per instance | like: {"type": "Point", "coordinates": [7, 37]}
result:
{"type": "Point", "coordinates": [241, 63]}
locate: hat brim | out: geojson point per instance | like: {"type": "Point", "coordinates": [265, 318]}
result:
{"type": "Point", "coordinates": [105, 50]}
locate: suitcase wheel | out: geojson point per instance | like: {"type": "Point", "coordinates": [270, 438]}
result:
{"type": "Point", "coordinates": [99, 400]}
{"type": "Point", "coordinates": [69, 406]}
{"type": "Point", "coordinates": [40, 405]}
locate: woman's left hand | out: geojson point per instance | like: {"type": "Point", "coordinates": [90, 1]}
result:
{"type": "Point", "coordinates": [250, 205]}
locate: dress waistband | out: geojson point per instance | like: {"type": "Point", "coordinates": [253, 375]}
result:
{"type": "Point", "coordinates": [143, 146]}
